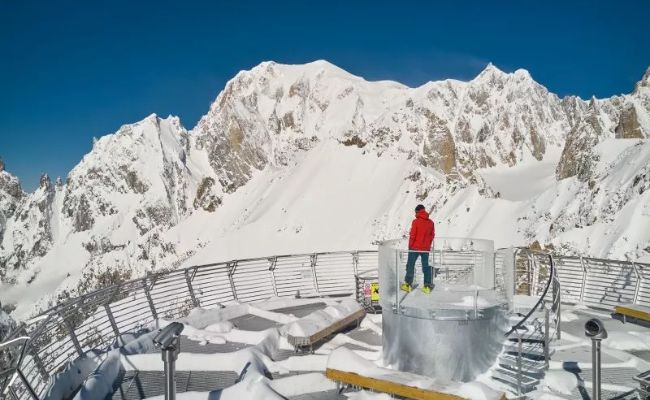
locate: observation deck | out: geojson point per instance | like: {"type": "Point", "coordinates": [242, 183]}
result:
{"type": "Point", "coordinates": [237, 315]}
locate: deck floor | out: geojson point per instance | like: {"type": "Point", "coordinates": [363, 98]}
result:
{"type": "Point", "coordinates": [572, 354]}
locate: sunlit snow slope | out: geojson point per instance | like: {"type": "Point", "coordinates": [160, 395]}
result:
{"type": "Point", "coordinates": [303, 158]}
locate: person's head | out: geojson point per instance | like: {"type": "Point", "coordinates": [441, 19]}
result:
{"type": "Point", "coordinates": [419, 207]}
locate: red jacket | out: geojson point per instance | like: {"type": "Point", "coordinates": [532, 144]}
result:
{"type": "Point", "coordinates": [422, 232]}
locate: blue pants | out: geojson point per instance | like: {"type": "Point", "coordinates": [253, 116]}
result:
{"type": "Point", "coordinates": [410, 267]}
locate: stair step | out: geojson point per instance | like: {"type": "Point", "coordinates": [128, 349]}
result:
{"type": "Point", "coordinates": [510, 377]}
{"type": "Point", "coordinates": [536, 336]}
{"type": "Point", "coordinates": [528, 366]}
{"type": "Point", "coordinates": [527, 348]}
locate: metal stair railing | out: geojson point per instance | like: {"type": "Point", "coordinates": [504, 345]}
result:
{"type": "Point", "coordinates": [531, 328]}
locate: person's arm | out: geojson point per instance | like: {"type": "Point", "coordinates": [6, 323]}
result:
{"type": "Point", "coordinates": [413, 234]}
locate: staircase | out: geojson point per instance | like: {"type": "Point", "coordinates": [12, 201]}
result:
{"type": "Point", "coordinates": [526, 350]}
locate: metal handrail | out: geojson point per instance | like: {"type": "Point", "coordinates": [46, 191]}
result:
{"type": "Point", "coordinates": [541, 298]}
{"type": "Point", "coordinates": [95, 319]}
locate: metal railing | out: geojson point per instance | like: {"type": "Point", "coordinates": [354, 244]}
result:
{"type": "Point", "coordinates": [536, 275]}
{"type": "Point", "coordinates": [98, 319]}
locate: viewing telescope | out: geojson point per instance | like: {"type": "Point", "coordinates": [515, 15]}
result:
{"type": "Point", "coordinates": [168, 340]}
{"type": "Point", "coordinates": [167, 337]}
{"type": "Point", "coordinates": [595, 330]}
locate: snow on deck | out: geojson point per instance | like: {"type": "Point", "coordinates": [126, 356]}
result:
{"type": "Point", "coordinates": [216, 345]}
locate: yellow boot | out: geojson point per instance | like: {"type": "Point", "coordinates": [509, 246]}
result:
{"type": "Point", "coordinates": [405, 287]}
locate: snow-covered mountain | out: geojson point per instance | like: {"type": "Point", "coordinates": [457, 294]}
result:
{"type": "Point", "coordinates": [301, 158]}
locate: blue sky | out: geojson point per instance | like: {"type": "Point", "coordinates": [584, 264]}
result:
{"type": "Point", "coordinates": [72, 70]}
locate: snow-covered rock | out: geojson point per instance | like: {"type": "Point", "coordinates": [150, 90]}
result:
{"type": "Point", "coordinates": [302, 158]}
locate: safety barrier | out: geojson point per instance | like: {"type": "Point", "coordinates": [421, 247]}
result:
{"type": "Point", "coordinates": [602, 283]}
{"type": "Point", "coordinates": [96, 320]}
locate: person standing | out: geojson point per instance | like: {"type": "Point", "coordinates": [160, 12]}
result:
{"type": "Point", "coordinates": [420, 238]}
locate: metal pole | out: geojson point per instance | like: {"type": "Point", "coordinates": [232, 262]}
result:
{"type": "Point", "coordinates": [638, 284]}
{"type": "Point", "coordinates": [231, 271]}
{"type": "Point", "coordinates": [169, 342]}
{"type": "Point", "coordinates": [313, 260]}
{"type": "Point", "coordinates": [272, 263]}
{"type": "Point", "coordinates": [584, 280]}
{"type": "Point", "coordinates": [519, 352]}
{"type": "Point", "coordinates": [558, 328]}
{"type": "Point", "coordinates": [595, 367]}
{"type": "Point", "coordinates": [28, 387]}
{"type": "Point", "coordinates": [169, 357]}
{"type": "Point", "coordinates": [547, 338]}
{"type": "Point", "coordinates": [190, 288]}
{"type": "Point", "coordinates": [442, 263]}
{"type": "Point", "coordinates": [398, 260]}
{"type": "Point", "coordinates": [111, 319]}
{"type": "Point", "coordinates": [147, 293]}
{"type": "Point", "coordinates": [73, 336]}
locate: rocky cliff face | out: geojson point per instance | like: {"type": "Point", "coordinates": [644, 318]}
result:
{"type": "Point", "coordinates": [152, 194]}
{"type": "Point", "coordinates": [11, 195]}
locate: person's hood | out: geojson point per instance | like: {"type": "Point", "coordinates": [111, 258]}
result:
{"type": "Point", "coordinates": [423, 214]}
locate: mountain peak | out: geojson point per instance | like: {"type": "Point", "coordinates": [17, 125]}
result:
{"type": "Point", "coordinates": [644, 82]}
{"type": "Point", "coordinates": [491, 69]}
{"type": "Point", "coordinates": [490, 74]}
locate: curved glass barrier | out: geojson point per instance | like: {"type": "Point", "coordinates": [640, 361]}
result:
{"type": "Point", "coordinates": [453, 332]}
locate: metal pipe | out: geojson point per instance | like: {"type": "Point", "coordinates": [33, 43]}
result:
{"type": "Point", "coordinates": [595, 367]}
{"type": "Point", "coordinates": [519, 372]}
{"type": "Point", "coordinates": [27, 385]}
{"type": "Point", "coordinates": [547, 336]}
{"type": "Point", "coordinates": [595, 329]}
{"type": "Point", "coordinates": [168, 340]}
{"type": "Point", "coordinates": [169, 359]}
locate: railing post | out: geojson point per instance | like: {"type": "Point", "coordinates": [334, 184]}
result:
{"type": "Point", "coordinates": [147, 293]}
{"type": "Point", "coordinates": [111, 319]}
{"type": "Point", "coordinates": [547, 338]}
{"type": "Point", "coordinates": [273, 261]}
{"type": "Point", "coordinates": [232, 267]}
{"type": "Point", "coordinates": [188, 280]}
{"type": "Point", "coordinates": [28, 386]}
{"type": "Point", "coordinates": [520, 350]}
{"type": "Point", "coordinates": [584, 280]}
{"type": "Point", "coordinates": [37, 359]}
{"type": "Point", "coordinates": [442, 263]}
{"type": "Point", "coordinates": [73, 336]}
{"type": "Point", "coordinates": [39, 365]}
{"type": "Point", "coordinates": [355, 262]}
{"type": "Point", "coordinates": [13, 394]}
{"type": "Point", "coordinates": [638, 283]}
{"type": "Point", "coordinates": [314, 260]}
